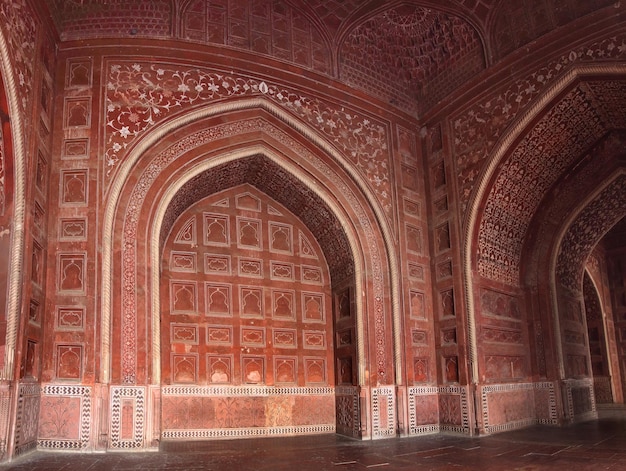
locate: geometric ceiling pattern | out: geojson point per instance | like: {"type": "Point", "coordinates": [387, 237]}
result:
{"type": "Point", "coordinates": [542, 159]}
{"type": "Point", "coordinates": [410, 54]}
{"type": "Point", "coordinates": [591, 224]}
{"type": "Point", "coordinates": [403, 56]}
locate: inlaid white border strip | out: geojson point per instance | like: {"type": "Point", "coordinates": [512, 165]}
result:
{"type": "Point", "coordinates": [246, 391]}
{"type": "Point", "coordinates": [203, 434]}
{"type": "Point", "coordinates": [138, 394]}
{"type": "Point", "coordinates": [82, 392]}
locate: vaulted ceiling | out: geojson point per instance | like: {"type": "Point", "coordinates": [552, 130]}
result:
{"type": "Point", "coordinates": [410, 54]}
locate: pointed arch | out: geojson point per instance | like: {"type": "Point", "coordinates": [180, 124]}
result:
{"type": "Point", "coordinates": [347, 181]}
{"type": "Point", "coordinates": [500, 153]}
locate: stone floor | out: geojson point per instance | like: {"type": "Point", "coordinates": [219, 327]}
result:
{"type": "Point", "coordinates": [595, 445]}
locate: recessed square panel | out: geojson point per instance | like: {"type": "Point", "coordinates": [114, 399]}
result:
{"type": "Point", "coordinates": [285, 338]}
{"type": "Point", "coordinates": [216, 229]}
{"type": "Point", "coordinates": [183, 297]}
{"type": "Point", "coordinates": [220, 369]}
{"type": "Point", "coordinates": [251, 302]}
{"type": "Point", "coordinates": [217, 264]}
{"type": "Point", "coordinates": [283, 305]}
{"type": "Point", "coordinates": [313, 307]}
{"type": "Point", "coordinates": [219, 335]}
{"type": "Point", "coordinates": [218, 300]}
{"type": "Point", "coordinates": [249, 233]}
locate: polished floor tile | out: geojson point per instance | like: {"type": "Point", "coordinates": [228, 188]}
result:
{"type": "Point", "coordinates": [594, 445]}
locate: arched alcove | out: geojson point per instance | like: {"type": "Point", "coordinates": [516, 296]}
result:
{"type": "Point", "coordinates": [214, 154]}
{"type": "Point", "coordinates": [526, 198]}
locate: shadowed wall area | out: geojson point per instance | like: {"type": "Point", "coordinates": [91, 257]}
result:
{"type": "Point", "coordinates": [281, 218]}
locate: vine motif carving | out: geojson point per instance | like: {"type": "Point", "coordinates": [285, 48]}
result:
{"type": "Point", "coordinates": [532, 168]}
{"type": "Point", "coordinates": [18, 22]}
{"type": "Point", "coordinates": [131, 220]}
{"type": "Point", "coordinates": [138, 96]}
{"type": "Point", "coordinates": [478, 129]}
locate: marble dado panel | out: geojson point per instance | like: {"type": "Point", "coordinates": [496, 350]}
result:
{"type": "Point", "coordinates": [434, 409]}
{"type": "Point", "coordinates": [423, 410]}
{"type": "Point", "coordinates": [383, 412]}
{"type": "Point", "coordinates": [514, 405]}
{"type": "Point", "coordinates": [27, 417]}
{"type": "Point", "coordinates": [65, 417]}
{"type": "Point", "coordinates": [347, 410]}
{"type": "Point", "coordinates": [128, 417]}
{"type": "Point", "coordinates": [580, 397]}
{"type": "Point", "coordinates": [247, 411]}
{"type": "Point", "coordinates": [141, 95]}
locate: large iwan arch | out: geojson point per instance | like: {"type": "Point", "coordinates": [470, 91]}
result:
{"type": "Point", "coordinates": [221, 140]}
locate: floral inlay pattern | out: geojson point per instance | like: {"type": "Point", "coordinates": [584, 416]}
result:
{"type": "Point", "coordinates": [18, 22]}
{"type": "Point", "coordinates": [139, 95]}
{"type": "Point", "coordinates": [479, 127]}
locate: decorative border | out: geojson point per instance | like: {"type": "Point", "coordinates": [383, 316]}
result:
{"type": "Point", "coordinates": [5, 406]}
{"type": "Point", "coordinates": [390, 412]}
{"type": "Point", "coordinates": [413, 393]}
{"type": "Point", "coordinates": [117, 394]}
{"type": "Point", "coordinates": [84, 393]}
{"type": "Point", "coordinates": [246, 391]}
{"type": "Point", "coordinates": [247, 432]}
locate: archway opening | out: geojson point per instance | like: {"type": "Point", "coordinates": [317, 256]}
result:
{"type": "Point", "coordinates": [258, 324]}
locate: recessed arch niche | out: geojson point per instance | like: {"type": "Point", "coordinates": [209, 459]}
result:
{"type": "Point", "coordinates": [220, 154]}
{"type": "Point", "coordinates": [525, 202]}
{"type": "Point", "coordinates": [250, 332]}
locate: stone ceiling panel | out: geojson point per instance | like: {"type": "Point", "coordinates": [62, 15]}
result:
{"type": "Point", "coordinates": [543, 157]}
{"type": "Point", "coordinates": [517, 23]}
{"type": "Point", "coordinates": [79, 19]}
{"type": "Point", "coordinates": [411, 57]}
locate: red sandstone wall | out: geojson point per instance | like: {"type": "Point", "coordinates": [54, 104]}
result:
{"type": "Point", "coordinates": [616, 261]}
{"type": "Point", "coordinates": [105, 97]}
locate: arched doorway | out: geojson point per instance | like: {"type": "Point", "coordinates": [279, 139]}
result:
{"type": "Point", "coordinates": [211, 155]}
{"type": "Point", "coordinates": [247, 323]}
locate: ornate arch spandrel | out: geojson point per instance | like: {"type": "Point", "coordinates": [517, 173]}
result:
{"type": "Point", "coordinates": [377, 259]}
{"type": "Point", "coordinates": [482, 187]}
